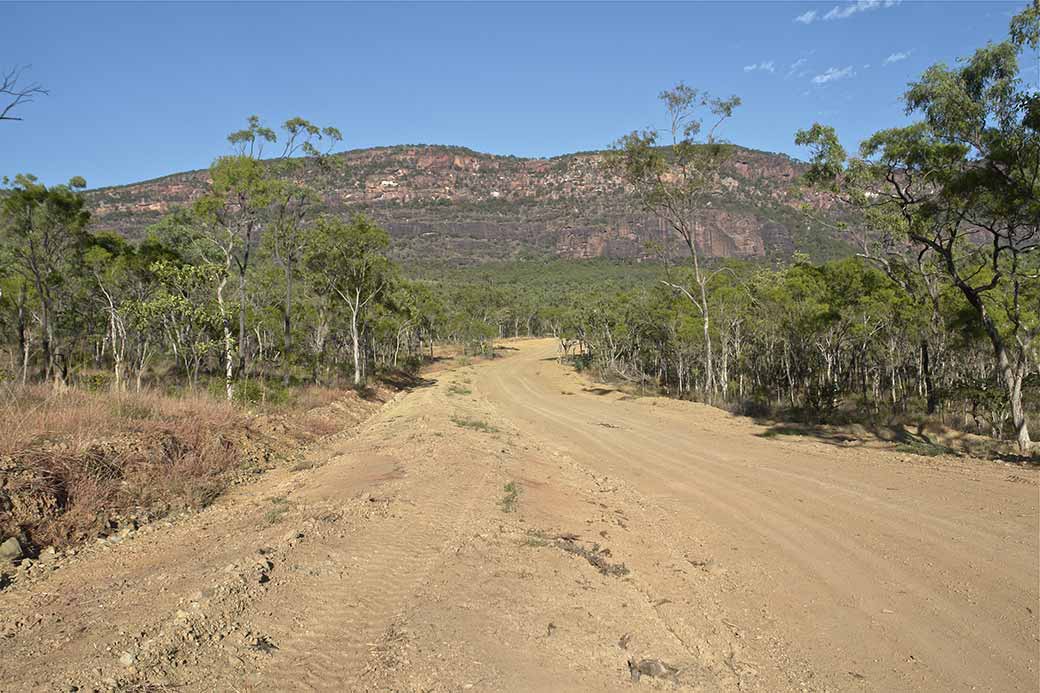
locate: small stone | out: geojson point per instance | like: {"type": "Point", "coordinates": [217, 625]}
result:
{"type": "Point", "coordinates": [127, 659]}
{"type": "Point", "coordinates": [10, 550]}
{"type": "Point", "coordinates": [654, 668]}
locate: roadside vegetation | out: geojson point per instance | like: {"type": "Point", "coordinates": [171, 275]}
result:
{"type": "Point", "coordinates": [942, 305]}
{"type": "Point", "coordinates": [131, 369]}
{"type": "Point", "coordinates": [77, 464]}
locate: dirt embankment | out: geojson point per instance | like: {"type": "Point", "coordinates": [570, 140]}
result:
{"type": "Point", "coordinates": [511, 527]}
{"type": "Point", "coordinates": [78, 466]}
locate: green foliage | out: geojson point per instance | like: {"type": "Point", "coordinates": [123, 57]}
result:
{"type": "Point", "coordinates": [473, 424]}
{"type": "Point", "coordinates": [822, 338]}
{"type": "Point", "coordinates": [511, 498]}
{"type": "Point", "coordinates": [955, 197]}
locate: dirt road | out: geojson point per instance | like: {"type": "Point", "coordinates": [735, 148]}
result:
{"type": "Point", "coordinates": [514, 527]}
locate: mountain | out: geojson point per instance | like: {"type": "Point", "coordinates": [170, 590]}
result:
{"type": "Point", "coordinates": [456, 205]}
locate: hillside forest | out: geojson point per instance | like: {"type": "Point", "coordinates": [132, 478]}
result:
{"type": "Point", "coordinates": [259, 286]}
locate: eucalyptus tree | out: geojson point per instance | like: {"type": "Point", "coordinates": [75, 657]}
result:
{"type": "Point", "coordinates": [250, 198]}
{"type": "Point", "coordinates": [123, 277]}
{"type": "Point", "coordinates": [348, 260]}
{"type": "Point", "coordinates": [44, 233]}
{"type": "Point", "coordinates": [413, 311]}
{"type": "Point", "coordinates": [961, 187]}
{"type": "Point", "coordinates": [181, 309]}
{"type": "Point", "coordinates": [108, 260]}
{"type": "Point", "coordinates": [232, 218]}
{"type": "Point", "coordinates": [293, 206]}
{"type": "Point", "coordinates": [674, 176]}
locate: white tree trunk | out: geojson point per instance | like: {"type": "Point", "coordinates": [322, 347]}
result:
{"type": "Point", "coordinates": [228, 342]}
{"type": "Point", "coordinates": [357, 343]}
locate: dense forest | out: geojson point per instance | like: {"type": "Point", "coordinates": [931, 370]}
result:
{"type": "Point", "coordinates": [256, 287]}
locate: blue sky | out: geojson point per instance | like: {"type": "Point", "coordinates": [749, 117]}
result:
{"type": "Point", "coordinates": [141, 90]}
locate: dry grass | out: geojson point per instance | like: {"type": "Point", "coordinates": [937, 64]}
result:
{"type": "Point", "coordinates": [311, 412]}
{"type": "Point", "coordinates": [310, 397]}
{"type": "Point", "coordinates": [71, 461]}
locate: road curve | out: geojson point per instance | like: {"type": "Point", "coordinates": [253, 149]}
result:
{"type": "Point", "coordinates": [885, 571]}
{"type": "Point", "coordinates": [513, 526]}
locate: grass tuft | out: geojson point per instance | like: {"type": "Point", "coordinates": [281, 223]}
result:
{"type": "Point", "coordinates": [277, 512]}
{"type": "Point", "coordinates": [459, 390]}
{"type": "Point", "coordinates": [923, 448]}
{"type": "Point", "coordinates": [511, 498]}
{"type": "Point", "coordinates": [473, 424]}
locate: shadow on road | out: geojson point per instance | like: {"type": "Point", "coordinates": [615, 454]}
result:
{"type": "Point", "coordinates": [401, 380]}
{"type": "Point", "coordinates": [902, 439]}
{"type": "Point", "coordinates": [599, 390]}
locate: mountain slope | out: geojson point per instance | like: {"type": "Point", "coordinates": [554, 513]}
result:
{"type": "Point", "coordinates": [454, 204]}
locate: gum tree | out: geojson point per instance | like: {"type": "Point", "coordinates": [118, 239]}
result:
{"type": "Point", "coordinates": [43, 232]}
{"type": "Point", "coordinates": [251, 198]}
{"type": "Point", "coordinates": [674, 176]}
{"type": "Point", "coordinates": [959, 190]}
{"type": "Point", "coordinates": [293, 205]}
{"type": "Point", "coordinates": [348, 260]}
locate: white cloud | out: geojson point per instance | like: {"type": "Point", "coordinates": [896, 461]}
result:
{"type": "Point", "coordinates": [832, 74]}
{"type": "Point", "coordinates": [846, 10]}
{"type": "Point", "coordinates": [765, 65]}
{"type": "Point", "coordinates": [896, 57]}
{"type": "Point", "coordinates": [795, 66]}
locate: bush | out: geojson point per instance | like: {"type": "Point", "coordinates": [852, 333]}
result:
{"type": "Point", "coordinates": [581, 362]}
{"type": "Point", "coordinates": [755, 409]}
{"type": "Point", "coordinates": [96, 381]}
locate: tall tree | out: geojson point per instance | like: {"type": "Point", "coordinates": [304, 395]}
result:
{"type": "Point", "coordinates": [293, 204]}
{"type": "Point", "coordinates": [233, 215]}
{"type": "Point", "coordinates": [962, 187]}
{"type": "Point", "coordinates": [251, 198]}
{"type": "Point", "coordinates": [674, 176]}
{"type": "Point", "coordinates": [350, 259]}
{"type": "Point", "coordinates": [43, 230]}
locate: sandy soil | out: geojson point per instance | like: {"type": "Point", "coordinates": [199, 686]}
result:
{"type": "Point", "coordinates": [513, 527]}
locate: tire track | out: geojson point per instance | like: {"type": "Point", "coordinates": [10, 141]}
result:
{"type": "Point", "coordinates": [382, 568]}
{"type": "Point", "coordinates": [835, 563]}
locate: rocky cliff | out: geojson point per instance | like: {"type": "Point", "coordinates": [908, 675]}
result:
{"type": "Point", "coordinates": [457, 205]}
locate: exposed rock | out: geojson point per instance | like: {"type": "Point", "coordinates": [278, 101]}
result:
{"type": "Point", "coordinates": [456, 204]}
{"type": "Point", "coordinates": [653, 668]}
{"type": "Point", "coordinates": [10, 550]}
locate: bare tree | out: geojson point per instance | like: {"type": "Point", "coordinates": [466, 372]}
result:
{"type": "Point", "coordinates": [13, 94]}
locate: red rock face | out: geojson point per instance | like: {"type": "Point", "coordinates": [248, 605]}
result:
{"type": "Point", "coordinates": [456, 204]}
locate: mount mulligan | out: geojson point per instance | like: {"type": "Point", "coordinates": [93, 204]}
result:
{"type": "Point", "coordinates": [456, 205]}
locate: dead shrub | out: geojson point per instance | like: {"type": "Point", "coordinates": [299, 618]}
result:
{"type": "Point", "coordinates": [73, 459]}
